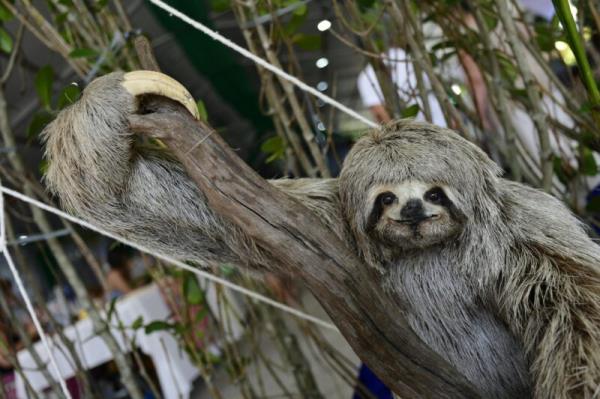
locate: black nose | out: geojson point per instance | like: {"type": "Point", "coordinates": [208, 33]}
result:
{"type": "Point", "coordinates": [413, 209]}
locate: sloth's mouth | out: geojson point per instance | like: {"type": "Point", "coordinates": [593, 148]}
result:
{"type": "Point", "coordinates": [415, 221]}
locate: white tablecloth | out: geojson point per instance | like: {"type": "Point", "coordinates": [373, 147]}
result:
{"type": "Point", "coordinates": [175, 372]}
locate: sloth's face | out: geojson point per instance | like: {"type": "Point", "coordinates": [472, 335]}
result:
{"type": "Point", "coordinates": [413, 215]}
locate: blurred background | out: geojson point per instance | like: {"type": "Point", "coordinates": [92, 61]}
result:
{"type": "Point", "coordinates": [518, 78]}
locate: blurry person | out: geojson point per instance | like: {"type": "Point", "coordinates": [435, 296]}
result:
{"type": "Point", "coordinates": [9, 339]}
{"type": "Point", "coordinates": [543, 9]}
{"type": "Point", "coordinates": [400, 68]}
{"type": "Point", "coordinates": [17, 309]}
{"type": "Point", "coordinates": [118, 278]}
{"type": "Point", "coordinates": [5, 364]}
{"type": "Point", "coordinates": [399, 64]}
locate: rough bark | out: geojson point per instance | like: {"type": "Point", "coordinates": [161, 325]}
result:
{"type": "Point", "coordinates": [370, 320]}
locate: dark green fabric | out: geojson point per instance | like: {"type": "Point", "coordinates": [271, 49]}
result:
{"type": "Point", "coordinates": [213, 60]}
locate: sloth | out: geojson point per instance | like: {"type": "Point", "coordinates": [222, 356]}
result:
{"type": "Point", "coordinates": [499, 278]}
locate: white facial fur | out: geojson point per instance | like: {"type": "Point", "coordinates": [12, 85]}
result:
{"type": "Point", "coordinates": [414, 219]}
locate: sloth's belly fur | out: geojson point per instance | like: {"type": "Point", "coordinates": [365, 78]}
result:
{"type": "Point", "coordinates": [445, 312]}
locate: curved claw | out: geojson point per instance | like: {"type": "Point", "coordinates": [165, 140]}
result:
{"type": "Point", "coordinates": [138, 83]}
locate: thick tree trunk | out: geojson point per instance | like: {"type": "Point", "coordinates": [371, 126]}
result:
{"type": "Point", "coordinates": [351, 293]}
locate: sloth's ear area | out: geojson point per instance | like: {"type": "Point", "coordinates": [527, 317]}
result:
{"type": "Point", "coordinates": [140, 83]}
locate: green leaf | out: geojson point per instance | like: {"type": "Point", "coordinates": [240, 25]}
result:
{"type": "Point", "coordinates": [587, 162]}
{"type": "Point", "coordinates": [157, 325]}
{"type": "Point", "coordinates": [544, 38]}
{"type": "Point", "coordinates": [275, 147]}
{"type": "Point", "coordinates": [301, 10]}
{"type": "Point", "coordinates": [588, 138]}
{"type": "Point", "coordinates": [83, 53]}
{"type": "Point", "coordinates": [199, 334]}
{"type": "Point", "coordinates": [372, 17]}
{"type": "Point", "coordinates": [546, 35]}
{"type": "Point", "coordinates": [295, 23]}
{"type": "Point", "coordinates": [38, 123]}
{"type": "Point", "coordinates": [507, 66]}
{"type": "Point", "coordinates": [586, 107]}
{"type": "Point", "coordinates": [220, 5]}
{"type": "Point", "coordinates": [201, 314]}
{"type": "Point", "coordinates": [60, 19]}
{"type": "Point", "coordinates": [410, 111]}
{"type": "Point", "coordinates": [138, 323]}
{"type": "Point", "coordinates": [364, 5]}
{"type": "Point", "coordinates": [43, 85]}
{"type": "Point", "coordinates": [111, 309]}
{"type": "Point", "coordinates": [272, 144]}
{"type": "Point", "coordinates": [179, 328]}
{"type": "Point", "coordinates": [6, 42]}
{"type": "Point", "coordinates": [202, 110]}
{"type": "Point", "coordinates": [519, 93]}
{"type": "Point", "coordinates": [5, 14]}
{"type": "Point", "coordinates": [491, 20]}
{"type": "Point", "coordinates": [100, 4]}
{"type": "Point", "coordinates": [227, 270]}
{"type": "Point", "coordinates": [544, 42]}
{"type": "Point", "coordinates": [44, 165]}
{"type": "Point", "coordinates": [308, 42]}
{"type": "Point", "coordinates": [68, 96]}
{"type": "Point", "coordinates": [191, 290]}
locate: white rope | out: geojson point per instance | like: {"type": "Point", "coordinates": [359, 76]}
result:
{"type": "Point", "coordinates": [265, 64]}
{"type": "Point", "coordinates": [28, 304]}
{"type": "Point", "coordinates": [298, 313]}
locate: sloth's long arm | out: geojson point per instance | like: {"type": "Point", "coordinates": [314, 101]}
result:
{"type": "Point", "coordinates": [148, 198]}
{"type": "Point", "coordinates": [551, 297]}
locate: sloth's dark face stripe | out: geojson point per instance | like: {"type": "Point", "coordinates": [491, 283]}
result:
{"type": "Point", "coordinates": [375, 215]}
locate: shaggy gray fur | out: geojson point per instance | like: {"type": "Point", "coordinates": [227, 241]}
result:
{"type": "Point", "coordinates": [513, 301]}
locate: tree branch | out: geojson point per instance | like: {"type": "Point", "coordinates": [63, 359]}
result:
{"type": "Point", "coordinates": [13, 55]}
{"type": "Point", "coordinates": [371, 320]}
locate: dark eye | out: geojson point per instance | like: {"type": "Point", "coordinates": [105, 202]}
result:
{"type": "Point", "coordinates": [387, 198]}
{"type": "Point", "coordinates": [435, 195]}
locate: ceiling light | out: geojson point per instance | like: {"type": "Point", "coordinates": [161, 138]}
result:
{"type": "Point", "coordinates": [322, 86]}
{"type": "Point", "coordinates": [322, 62]}
{"type": "Point", "coordinates": [324, 25]}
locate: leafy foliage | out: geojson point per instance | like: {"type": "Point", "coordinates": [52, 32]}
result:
{"type": "Point", "coordinates": [307, 42]}
{"type": "Point", "coordinates": [410, 112]}
{"type": "Point", "coordinates": [83, 53]}
{"type": "Point", "coordinates": [192, 292]}
{"type": "Point", "coordinates": [202, 110]}
{"type": "Point", "coordinates": [5, 14]}
{"type": "Point", "coordinates": [43, 85]}
{"type": "Point", "coordinates": [274, 147]}
{"type": "Point", "coordinates": [68, 96]}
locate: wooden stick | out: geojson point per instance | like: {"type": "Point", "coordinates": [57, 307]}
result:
{"type": "Point", "coordinates": [143, 48]}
